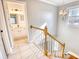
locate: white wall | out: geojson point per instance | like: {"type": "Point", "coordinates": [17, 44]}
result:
{"type": "Point", "coordinates": [40, 13]}
{"type": "Point", "coordinates": [67, 34]}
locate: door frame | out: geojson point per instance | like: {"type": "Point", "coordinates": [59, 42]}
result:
{"type": "Point", "coordinates": [6, 13]}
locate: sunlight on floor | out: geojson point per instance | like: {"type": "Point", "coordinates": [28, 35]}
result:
{"type": "Point", "coordinates": [20, 42]}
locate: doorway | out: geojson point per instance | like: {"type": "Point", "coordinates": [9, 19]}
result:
{"type": "Point", "coordinates": [18, 23]}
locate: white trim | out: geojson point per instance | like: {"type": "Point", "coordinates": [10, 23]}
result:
{"type": "Point", "coordinates": [49, 2]}
{"type": "Point", "coordinates": [73, 54]}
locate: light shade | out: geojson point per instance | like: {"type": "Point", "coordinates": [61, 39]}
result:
{"type": "Point", "coordinates": [62, 12]}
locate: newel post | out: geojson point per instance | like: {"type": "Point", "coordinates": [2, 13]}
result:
{"type": "Point", "coordinates": [45, 43]}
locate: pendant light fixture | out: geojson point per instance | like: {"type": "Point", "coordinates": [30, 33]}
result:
{"type": "Point", "coordinates": [63, 11]}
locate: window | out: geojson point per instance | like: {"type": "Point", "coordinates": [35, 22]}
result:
{"type": "Point", "coordinates": [73, 16]}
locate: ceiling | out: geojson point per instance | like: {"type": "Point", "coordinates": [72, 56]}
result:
{"type": "Point", "coordinates": [58, 2]}
{"type": "Point", "coordinates": [54, 2]}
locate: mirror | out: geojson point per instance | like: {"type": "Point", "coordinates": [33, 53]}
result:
{"type": "Point", "coordinates": [16, 12]}
{"type": "Point", "coordinates": [13, 19]}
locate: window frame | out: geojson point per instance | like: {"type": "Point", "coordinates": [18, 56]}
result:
{"type": "Point", "coordinates": [74, 21]}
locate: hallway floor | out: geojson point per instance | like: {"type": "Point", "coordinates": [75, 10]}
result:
{"type": "Point", "coordinates": [23, 50]}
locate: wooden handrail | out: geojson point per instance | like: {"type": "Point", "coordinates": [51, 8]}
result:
{"type": "Point", "coordinates": [62, 44]}
{"type": "Point", "coordinates": [45, 30]}
{"type": "Point", "coordinates": [53, 37]}
{"type": "Point", "coordinates": [36, 28]}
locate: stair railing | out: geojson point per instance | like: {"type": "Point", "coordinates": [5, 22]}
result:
{"type": "Point", "coordinates": [46, 34]}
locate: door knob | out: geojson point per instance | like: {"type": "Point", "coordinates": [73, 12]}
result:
{"type": "Point", "coordinates": [1, 30]}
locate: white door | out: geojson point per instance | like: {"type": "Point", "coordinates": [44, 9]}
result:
{"type": "Point", "coordinates": [2, 50]}
{"type": "Point", "coordinates": [3, 26]}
